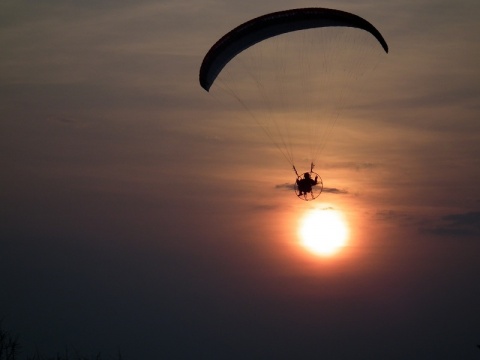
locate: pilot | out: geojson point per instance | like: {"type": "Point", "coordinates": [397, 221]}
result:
{"type": "Point", "coordinates": [305, 184]}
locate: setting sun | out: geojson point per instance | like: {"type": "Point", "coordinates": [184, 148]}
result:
{"type": "Point", "coordinates": [323, 232]}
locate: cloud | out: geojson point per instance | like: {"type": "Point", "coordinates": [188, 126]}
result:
{"type": "Point", "coordinates": [352, 165]}
{"type": "Point", "coordinates": [284, 186]}
{"type": "Point", "coordinates": [335, 191]}
{"type": "Point", "coordinates": [402, 219]}
{"type": "Point", "coordinates": [394, 216]}
{"type": "Point", "coordinates": [264, 207]}
{"type": "Point", "coordinates": [462, 225]}
{"type": "Point", "coordinates": [289, 186]}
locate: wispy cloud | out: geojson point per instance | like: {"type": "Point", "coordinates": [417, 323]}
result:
{"type": "Point", "coordinates": [396, 216]}
{"type": "Point", "coordinates": [460, 225]}
{"type": "Point", "coordinates": [285, 186]}
{"type": "Point", "coordinates": [358, 166]}
{"type": "Point", "coordinates": [452, 225]}
{"type": "Point", "coordinates": [290, 186]}
{"type": "Point", "coordinates": [335, 191]}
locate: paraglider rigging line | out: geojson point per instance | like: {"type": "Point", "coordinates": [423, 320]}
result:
{"type": "Point", "coordinates": [254, 117]}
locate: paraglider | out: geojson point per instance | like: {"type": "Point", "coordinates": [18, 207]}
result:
{"type": "Point", "coordinates": [301, 81]}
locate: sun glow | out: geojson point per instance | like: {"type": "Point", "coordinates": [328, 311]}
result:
{"type": "Point", "coordinates": [323, 232]}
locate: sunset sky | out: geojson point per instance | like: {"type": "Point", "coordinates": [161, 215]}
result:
{"type": "Point", "coordinates": [141, 215]}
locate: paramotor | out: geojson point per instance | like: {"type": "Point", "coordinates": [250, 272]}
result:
{"type": "Point", "coordinates": [293, 71]}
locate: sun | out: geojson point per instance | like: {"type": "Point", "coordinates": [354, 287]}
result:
{"type": "Point", "coordinates": [323, 232]}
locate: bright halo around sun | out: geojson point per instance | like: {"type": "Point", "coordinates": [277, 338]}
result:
{"type": "Point", "coordinates": [323, 232]}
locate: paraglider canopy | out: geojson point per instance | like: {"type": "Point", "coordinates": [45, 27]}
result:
{"type": "Point", "coordinates": [273, 24]}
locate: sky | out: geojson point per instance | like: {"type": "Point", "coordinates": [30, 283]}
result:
{"type": "Point", "coordinates": [141, 215]}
